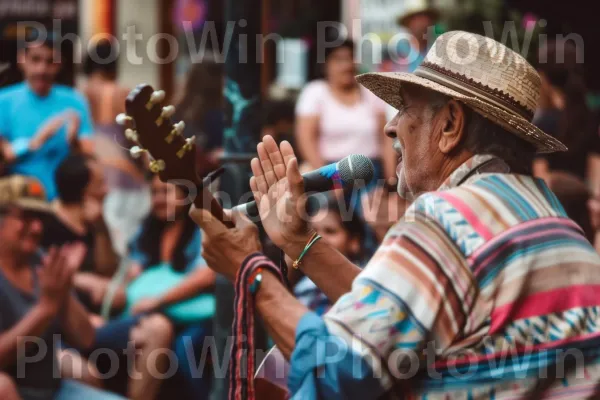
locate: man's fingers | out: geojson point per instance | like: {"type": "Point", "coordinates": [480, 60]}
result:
{"type": "Point", "coordinates": [275, 156]}
{"type": "Point", "coordinates": [49, 257]}
{"type": "Point", "coordinates": [207, 221]}
{"type": "Point", "coordinates": [265, 163]}
{"type": "Point", "coordinates": [287, 152]}
{"type": "Point", "coordinates": [261, 182]}
{"type": "Point", "coordinates": [295, 181]}
{"type": "Point", "coordinates": [61, 267]}
{"type": "Point", "coordinates": [254, 187]}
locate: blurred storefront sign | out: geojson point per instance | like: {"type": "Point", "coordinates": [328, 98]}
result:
{"type": "Point", "coordinates": [58, 17]}
{"type": "Point", "coordinates": [292, 56]}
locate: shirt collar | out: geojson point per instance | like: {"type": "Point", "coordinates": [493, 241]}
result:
{"type": "Point", "coordinates": [473, 166]}
{"type": "Point", "coordinates": [34, 95]}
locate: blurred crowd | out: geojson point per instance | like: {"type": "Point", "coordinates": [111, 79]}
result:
{"type": "Point", "coordinates": [97, 248]}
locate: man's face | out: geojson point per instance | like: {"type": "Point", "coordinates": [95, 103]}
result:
{"type": "Point", "coordinates": [416, 143]}
{"type": "Point", "coordinates": [40, 68]}
{"type": "Point", "coordinates": [418, 26]}
{"type": "Point", "coordinates": [22, 230]}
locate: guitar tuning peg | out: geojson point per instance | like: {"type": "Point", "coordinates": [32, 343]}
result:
{"type": "Point", "coordinates": [131, 135]}
{"type": "Point", "coordinates": [177, 130]}
{"type": "Point", "coordinates": [189, 143]}
{"type": "Point", "coordinates": [179, 127]}
{"type": "Point", "coordinates": [157, 166]}
{"type": "Point", "coordinates": [155, 98]}
{"type": "Point", "coordinates": [136, 151]}
{"type": "Point", "coordinates": [167, 112]}
{"type": "Point", "coordinates": [123, 119]}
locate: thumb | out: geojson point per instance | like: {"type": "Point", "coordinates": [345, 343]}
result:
{"type": "Point", "coordinates": [294, 178]}
{"type": "Point", "coordinates": [207, 221]}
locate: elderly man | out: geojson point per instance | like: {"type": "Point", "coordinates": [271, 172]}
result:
{"type": "Point", "coordinates": [485, 289]}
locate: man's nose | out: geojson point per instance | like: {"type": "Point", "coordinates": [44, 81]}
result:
{"type": "Point", "coordinates": [390, 129]}
{"type": "Point", "coordinates": [35, 226]}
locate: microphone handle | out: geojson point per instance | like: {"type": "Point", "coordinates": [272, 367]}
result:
{"type": "Point", "coordinates": [323, 179]}
{"type": "Point", "coordinates": [317, 181]}
{"type": "Point", "coordinates": [250, 209]}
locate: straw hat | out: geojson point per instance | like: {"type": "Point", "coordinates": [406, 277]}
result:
{"type": "Point", "coordinates": [23, 192]}
{"type": "Point", "coordinates": [485, 75]}
{"type": "Point", "coordinates": [417, 7]}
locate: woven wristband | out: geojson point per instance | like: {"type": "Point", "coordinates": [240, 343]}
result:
{"type": "Point", "coordinates": [313, 239]}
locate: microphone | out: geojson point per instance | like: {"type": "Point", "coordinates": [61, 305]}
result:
{"type": "Point", "coordinates": [346, 173]}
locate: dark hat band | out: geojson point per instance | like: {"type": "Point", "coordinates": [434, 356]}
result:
{"type": "Point", "coordinates": [472, 88]}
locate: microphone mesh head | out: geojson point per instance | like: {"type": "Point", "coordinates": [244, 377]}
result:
{"type": "Point", "coordinates": [356, 169]}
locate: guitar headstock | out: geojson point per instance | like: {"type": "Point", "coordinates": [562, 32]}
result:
{"type": "Point", "coordinates": [148, 123]}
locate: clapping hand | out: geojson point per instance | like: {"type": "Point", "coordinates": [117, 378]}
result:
{"type": "Point", "coordinates": [47, 131]}
{"type": "Point", "coordinates": [73, 125]}
{"type": "Point", "coordinates": [57, 271]}
{"type": "Point", "coordinates": [278, 189]}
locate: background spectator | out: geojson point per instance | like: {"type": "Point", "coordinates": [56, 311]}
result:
{"type": "Point", "coordinates": [337, 117]}
{"type": "Point", "coordinates": [200, 106]}
{"type": "Point", "coordinates": [279, 120]}
{"type": "Point", "coordinates": [37, 302]}
{"type": "Point", "coordinates": [563, 113]}
{"type": "Point", "coordinates": [57, 117]}
{"type": "Point", "coordinates": [419, 19]}
{"type": "Point", "coordinates": [127, 201]}
{"type": "Point", "coordinates": [343, 229]}
{"type": "Point", "coordinates": [78, 217]}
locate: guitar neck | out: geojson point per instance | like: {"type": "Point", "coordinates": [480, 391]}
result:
{"type": "Point", "coordinates": [205, 200]}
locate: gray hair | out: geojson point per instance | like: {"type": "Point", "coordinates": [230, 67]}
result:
{"type": "Point", "coordinates": [484, 136]}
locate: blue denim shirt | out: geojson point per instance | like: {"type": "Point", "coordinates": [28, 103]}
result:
{"type": "Point", "coordinates": [323, 366]}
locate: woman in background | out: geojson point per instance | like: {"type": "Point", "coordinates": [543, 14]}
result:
{"type": "Point", "coordinates": [167, 275]}
{"type": "Point", "coordinates": [127, 201]}
{"type": "Point", "coordinates": [170, 276]}
{"type": "Point", "coordinates": [336, 117]}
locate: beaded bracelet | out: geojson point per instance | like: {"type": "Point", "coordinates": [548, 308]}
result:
{"type": "Point", "coordinates": [255, 280]}
{"type": "Point", "coordinates": [313, 239]}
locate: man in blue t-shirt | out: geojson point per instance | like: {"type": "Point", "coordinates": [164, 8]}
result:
{"type": "Point", "coordinates": [42, 121]}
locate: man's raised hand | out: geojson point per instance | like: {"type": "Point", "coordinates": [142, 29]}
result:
{"type": "Point", "coordinates": [278, 189]}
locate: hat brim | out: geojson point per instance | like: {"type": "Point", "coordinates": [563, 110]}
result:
{"type": "Point", "coordinates": [431, 12]}
{"type": "Point", "coordinates": [34, 205]}
{"type": "Point", "coordinates": [386, 86]}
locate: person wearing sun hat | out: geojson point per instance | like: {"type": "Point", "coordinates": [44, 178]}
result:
{"type": "Point", "coordinates": [418, 18]}
{"type": "Point", "coordinates": [483, 286]}
{"type": "Point", "coordinates": [37, 303]}
{"type": "Point", "coordinates": [25, 193]}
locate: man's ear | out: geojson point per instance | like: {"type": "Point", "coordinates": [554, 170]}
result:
{"type": "Point", "coordinates": [453, 119]}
